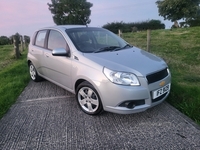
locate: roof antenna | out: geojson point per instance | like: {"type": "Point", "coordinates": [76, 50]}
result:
{"type": "Point", "coordinates": [84, 22]}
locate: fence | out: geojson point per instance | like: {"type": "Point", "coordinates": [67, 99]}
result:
{"type": "Point", "coordinates": [148, 38]}
{"type": "Point", "coordinates": [18, 40]}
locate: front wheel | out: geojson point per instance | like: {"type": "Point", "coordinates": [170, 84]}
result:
{"type": "Point", "coordinates": [88, 99]}
{"type": "Point", "coordinates": [33, 73]}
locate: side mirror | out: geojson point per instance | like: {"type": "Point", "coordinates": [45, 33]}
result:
{"type": "Point", "coordinates": [61, 52]}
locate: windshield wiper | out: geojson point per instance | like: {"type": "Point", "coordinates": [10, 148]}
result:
{"type": "Point", "coordinates": [126, 46]}
{"type": "Point", "coordinates": [109, 48]}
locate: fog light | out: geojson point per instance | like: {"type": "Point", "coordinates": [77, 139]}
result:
{"type": "Point", "coordinates": [132, 103]}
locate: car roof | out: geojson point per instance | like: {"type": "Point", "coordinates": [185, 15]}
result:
{"type": "Point", "coordinates": [64, 27]}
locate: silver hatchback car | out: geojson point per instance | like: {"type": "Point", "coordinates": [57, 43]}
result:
{"type": "Point", "coordinates": [100, 68]}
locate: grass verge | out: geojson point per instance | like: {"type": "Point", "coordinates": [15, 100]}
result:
{"type": "Point", "coordinates": [13, 77]}
{"type": "Point", "coordinates": [180, 48]}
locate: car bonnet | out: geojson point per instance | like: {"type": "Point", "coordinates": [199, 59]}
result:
{"type": "Point", "coordinates": [132, 60]}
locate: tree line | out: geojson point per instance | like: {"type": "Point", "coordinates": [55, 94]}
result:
{"type": "Point", "coordinates": [79, 11]}
{"type": "Point", "coordinates": [4, 40]}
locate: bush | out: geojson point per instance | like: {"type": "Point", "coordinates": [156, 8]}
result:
{"type": "Point", "coordinates": [115, 26]}
{"type": "Point", "coordinates": [133, 27]}
{"type": "Point", "coordinates": [4, 40]}
{"type": "Point", "coordinates": [194, 22]}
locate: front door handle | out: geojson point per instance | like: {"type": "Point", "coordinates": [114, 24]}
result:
{"type": "Point", "coordinates": [47, 55]}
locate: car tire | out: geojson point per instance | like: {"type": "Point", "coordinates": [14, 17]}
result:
{"type": "Point", "coordinates": [88, 99]}
{"type": "Point", "coordinates": [33, 73]}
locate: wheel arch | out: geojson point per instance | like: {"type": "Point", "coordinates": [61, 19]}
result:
{"type": "Point", "coordinates": [28, 62]}
{"type": "Point", "coordinates": [78, 82]}
{"type": "Point", "coordinates": [95, 90]}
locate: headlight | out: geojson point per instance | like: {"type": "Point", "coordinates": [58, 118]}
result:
{"type": "Point", "coordinates": [122, 78]}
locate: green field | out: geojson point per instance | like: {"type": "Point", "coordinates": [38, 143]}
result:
{"type": "Point", "coordinates": [13, 77]}
{"type": "Point", "coordinates": [180, 48]}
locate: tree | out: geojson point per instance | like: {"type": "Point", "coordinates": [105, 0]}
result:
{"type": "Point", "coordinates": [4, 40]}
{"type": "Point", "coordinates": [178, 9]}
{"type": "Point", "coordinates": [70, 11]}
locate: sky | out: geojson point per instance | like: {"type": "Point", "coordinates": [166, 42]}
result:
{"type": "Point", "coordinates": [26, 16]}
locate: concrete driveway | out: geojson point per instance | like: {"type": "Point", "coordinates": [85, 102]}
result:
{"type": "Point", "coordinates": [46, 117]}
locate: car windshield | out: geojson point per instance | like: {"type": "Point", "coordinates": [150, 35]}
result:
{"type": "Point", "coordinates": [95, 40]}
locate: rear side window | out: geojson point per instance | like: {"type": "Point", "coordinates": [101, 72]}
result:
{"type": "Point", "coordinates": [40, 38]}
{"type": "Point", "coordinates": [56, 40]}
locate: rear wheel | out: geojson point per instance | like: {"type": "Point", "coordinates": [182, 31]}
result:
{"type": "Point", "coordinates": [33, 73]}
{"type": "Point", "coordinates": [88, 99]}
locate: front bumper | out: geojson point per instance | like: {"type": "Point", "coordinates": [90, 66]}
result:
{"type": "Point", "coordinates": [131, 99]}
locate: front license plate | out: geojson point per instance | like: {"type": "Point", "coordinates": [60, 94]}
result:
{"type": "Point", "coordinates": [161, 91]}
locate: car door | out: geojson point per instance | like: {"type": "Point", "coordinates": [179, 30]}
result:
{"type": "Point", "coordinates": [37, 51]}
{"type": "Point", "coordinates": [58, 68]}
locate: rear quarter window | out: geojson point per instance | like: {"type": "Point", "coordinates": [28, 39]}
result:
{"type": "Point", "coordinates": [40, 38]}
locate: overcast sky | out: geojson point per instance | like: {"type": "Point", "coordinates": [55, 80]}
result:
{"type": "Point", "coordinates": [25, 16]}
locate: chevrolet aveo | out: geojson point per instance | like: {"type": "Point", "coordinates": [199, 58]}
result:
{"type": "Point", "coordinates": [101, 69]}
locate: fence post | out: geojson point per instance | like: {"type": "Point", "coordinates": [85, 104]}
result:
{"type": "Point", "coordinates": [26, 41]}
{"type": "Point", "coordinates": [22, 43]}
{"type": "Point", "coordinates": [16, 46]}
{"type": "Point", "coordinates": [119, 32]}
{"type": "Point", "coordinates": [148, 40]}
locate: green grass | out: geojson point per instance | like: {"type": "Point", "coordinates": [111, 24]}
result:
{"type": "Point", "coordinates": [6, 56]}
{"type": "Point", "coordinates": [180, 48]}
{"type": "Point", "coordinates": [13, 77]}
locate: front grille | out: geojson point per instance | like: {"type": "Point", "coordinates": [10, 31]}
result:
{"type": "Point", "coordinates": [157, 76]}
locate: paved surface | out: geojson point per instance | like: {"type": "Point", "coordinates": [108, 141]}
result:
{"type": "Point", "coordinates": [46, 117]}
